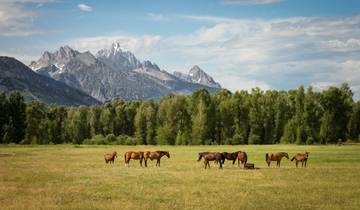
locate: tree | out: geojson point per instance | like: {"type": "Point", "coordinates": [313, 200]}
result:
{"type": "Point", "coordinates": [107, 119]}
{"type": "Point", "coordinates": [17, 108]}
{"type": "Point", "coordinates": [81, 127]}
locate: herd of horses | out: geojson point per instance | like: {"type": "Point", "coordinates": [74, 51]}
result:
{"type": "Point", "coordinates": [218, 157]}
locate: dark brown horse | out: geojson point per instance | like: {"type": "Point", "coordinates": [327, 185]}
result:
{"type": "Point", "coordinates": [211, 156]}
{"type": "Point", "coordinates": [230, 156]}
{"type": "Point", "coordinates": [155, 155]}
{"type": "Point", "coordinates": [275, 157]}
{"type": "Point", "coordinates": [133, 155]}
{"type": "Point", "coordinates": [242, 157]}
{"type": "Point", "coordinates": [110, 157]}
{"type": "Point", "coordinates": [301, 158]}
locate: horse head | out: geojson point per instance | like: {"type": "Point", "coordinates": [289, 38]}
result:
{"type": "Point", "coordinates": [286, 155]}
{"type": "Point", "coordinates": [166, 153]}
{"type": "Point", "coordinates": [115, 154]}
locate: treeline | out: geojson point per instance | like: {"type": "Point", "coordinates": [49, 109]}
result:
{"type": "Point", "coordinates": [256, 117]}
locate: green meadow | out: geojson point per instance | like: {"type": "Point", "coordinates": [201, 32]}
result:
{"type": "Point", "coordinates": [76, 177]}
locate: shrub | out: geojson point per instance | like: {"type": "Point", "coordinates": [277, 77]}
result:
{"type": "Point", "coordinates": [111, 138]}
{"type": "Point", "coordinates": [310, 140]}
{"type": "Point", "coordinates": [238, 139]}
{"type": "Point", "coordinates": [254, 139]}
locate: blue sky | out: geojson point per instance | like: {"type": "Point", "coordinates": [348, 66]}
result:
{"type": "Point", "coordinates": [274, 44]}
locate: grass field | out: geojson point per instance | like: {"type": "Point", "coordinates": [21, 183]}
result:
{"type": "Point", "coordinates": [76, 177]}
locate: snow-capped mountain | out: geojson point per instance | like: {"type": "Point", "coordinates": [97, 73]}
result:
{"type": "Point", "coordinates": [114, 73]}
{"type": "Point", "coordinates": [197, 75]}
{"type": "Point", "coordinates": [118, 58]}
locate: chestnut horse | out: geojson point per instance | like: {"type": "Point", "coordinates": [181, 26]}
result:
{"type": "Point", "coordinates": [110, 157]}
{"type": "Point", "coordinates": [275, 157]}
{"type": "Point", "coordinates": [301, 158]}
{"type": "Point", "coordinates": [155, 155]}
{"type": "Point", "coordinates": [230, 156]}
{"type": "Point", "coordinates": [211, 156]}
{"type": "Point", "coordinates": [133, 155]}
{"type": "Point", "coordinates": [242, 157]}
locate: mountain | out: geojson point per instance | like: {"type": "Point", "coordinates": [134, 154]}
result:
{"type": "Point", "coordinates": [197, 75]}
{"type": "Point", "coordinates": [15, 76]}
{"type": "Point", "coordinates": [113, 73]}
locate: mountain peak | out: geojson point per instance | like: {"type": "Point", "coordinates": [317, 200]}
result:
{"type": "Point", "coordinates": [118, 58]}
{"type": "Point", "coordinates": [197, 75]}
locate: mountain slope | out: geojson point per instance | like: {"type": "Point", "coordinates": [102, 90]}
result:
{"type": "Point", "coordinates": [15, 76]}
{"type": "Point", "coordinates": [113, 73]}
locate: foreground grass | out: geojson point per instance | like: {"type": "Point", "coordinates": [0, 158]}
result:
{"type": "Point", "coordinates": [76, 177]}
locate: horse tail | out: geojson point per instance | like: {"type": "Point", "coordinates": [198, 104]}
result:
{"type": "Point", "coordinates": [125, 157]}
{"type": "Point", "coordinates": [293, 158]}
{"type": "Point", "coordinates": [245, 157]}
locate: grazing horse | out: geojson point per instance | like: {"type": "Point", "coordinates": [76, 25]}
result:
{"type": "Point", "coordinates": [230, 156]}
{"type": "Point", "coordinates": [155, 155]}
{"type": "Point", "coordinates": [301, 158]}
{"type": "Point", "coordinates": [242, 157]}
{"type": "Point", "coordinates": [110, 157]}
{"type": "Point", "coordinates": [275, 157]}
{"type": "Point", "coordinates": [133, 155]}
{"type": "Point", "coordinates": [211, 156]}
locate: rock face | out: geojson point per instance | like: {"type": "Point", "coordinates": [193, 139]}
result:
{"type": "Point", "coordinates": [15, 76]}
{"type": "Point", "coordinates": [197, 75]}
{"type": "Point", "coordinates": [116, 73]}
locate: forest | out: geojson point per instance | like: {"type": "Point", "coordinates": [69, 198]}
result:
{"type": "Point", "coordinates": [296, 116]}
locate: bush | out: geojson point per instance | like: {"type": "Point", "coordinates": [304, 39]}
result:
{"type": "Point", "coordinates": [96, 140]}
{"type": "Point", "coordinates": [238, 139]}
{"type": "Point", "coordinates": [310, 140]}
{"type": "Point", "coordinates": [254, 139]}
{"type": "Point", "coordinates": [228, 141]}
{"type": "Point", "coordinates": [111, 138]}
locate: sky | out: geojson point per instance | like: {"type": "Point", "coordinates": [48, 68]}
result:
{"type": "Point", "coordinates": [272, 44]}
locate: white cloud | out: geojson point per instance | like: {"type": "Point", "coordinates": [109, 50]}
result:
{"type": "Point", "coordinates": [242, 53]}
{"type": "Point", "coordinates": [156, 17]}
{"type": "Point", "coordinates": [248, 2]}
{"type": "Point", "coordinates": [16, 20]}
{"type": "Point", "coordinates": [84, 7]}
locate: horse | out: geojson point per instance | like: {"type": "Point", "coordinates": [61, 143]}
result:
{"type": "Point", "coordinates": [133, 155]}
{"type": "Point", "coordinates": [275, 157]}
{"type": "Point", "coordinates": [230, 156]}
{"type": "Point", "coordinates": [301, 158]}
{"type": "Point", "coordinates": [110, 157]}
{"type": "Point", "coordinates": [242, 157]}
{"type": "Point", "coordinates": [211, 156]}
{"type": "Point", "coordinates": [155, 155]}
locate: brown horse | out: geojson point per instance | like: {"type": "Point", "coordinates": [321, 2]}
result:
{"type": "Point", "coordinates": [155, 155]}
{"type": "Point", "coordinates": [211, 156]}
{"type": "Point", "coordinates": [133, 155]}
{"type": "Point", "coordinates": [110, 157]}
{"type": "Point", "coordinates": [242, 157]}
{"type": "Point", "coordinates": [301, 158]}
{"type": "Point", "coordinates": [230, 156]}
{"type": "Point", "coordinates": [275, 157]}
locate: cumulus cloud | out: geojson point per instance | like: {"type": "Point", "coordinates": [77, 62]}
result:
{"type": "Point", "coordinates": [84, 7]}
{"type": "Point", "coordinates": [243, 53]}
{"type": "Point", "coordinates": [248, 2]}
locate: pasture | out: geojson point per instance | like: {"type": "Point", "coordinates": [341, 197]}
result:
{"type": "Point", "coordinates": [76, 177]}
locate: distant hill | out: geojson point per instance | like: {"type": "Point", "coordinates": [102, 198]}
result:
{"type": "Point", "coordinates": [16, 76]}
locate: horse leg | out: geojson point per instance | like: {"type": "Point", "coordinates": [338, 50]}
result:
{"type": "Point", "coordinates": [296, 164]}
{"type": "Point", "coordinates": [305, 163]}
{"type": "Point", "coordinates": [158, 162]}
{"type": "Point", "coordinates": [220, 167]}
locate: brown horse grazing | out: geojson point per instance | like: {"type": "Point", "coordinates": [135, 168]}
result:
{"type": "Point", "coordinates": [155, 155]}
{"type": "Point", "coordinates": [230, 156]}
{"type": "Point", "coordinates": [301, 158]}
{"type": "Point", "coordinates": [133, 155]}
{"type": "Point", "coordinates": [242, 157]}
{"type": "Point", "coordinates": [211, 156]}
{"type": "Point", "coordinates": [275, 157]}
{"type": "Point", "coordinates": [110, 157]}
